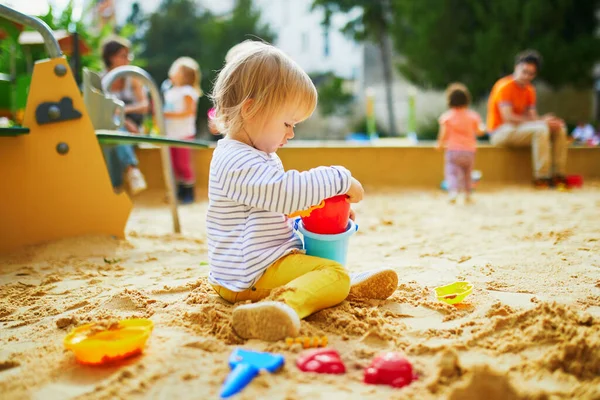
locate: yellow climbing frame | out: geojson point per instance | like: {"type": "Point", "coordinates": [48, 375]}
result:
{"type": "Point", "coordinates": [53, 181]}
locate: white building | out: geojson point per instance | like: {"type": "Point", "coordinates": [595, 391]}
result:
{"type": "Point", "coordinates": [299, 33]}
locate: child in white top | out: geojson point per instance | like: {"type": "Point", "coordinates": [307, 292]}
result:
{"type": "Point", "coordinates": [583, 132]}
{"type": "Point", "coordinates": [259, 98]}
{"type": "Point", "coordinates": [180, 120]}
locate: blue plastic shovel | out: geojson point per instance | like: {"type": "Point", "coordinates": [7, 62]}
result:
{"type": "Point", "coordinates": [245, 366]}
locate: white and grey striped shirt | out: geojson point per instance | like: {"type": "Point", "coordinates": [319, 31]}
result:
{"type": "Point", "coordinates": [250, 195]}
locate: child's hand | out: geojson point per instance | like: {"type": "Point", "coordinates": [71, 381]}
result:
{"type": "Point", "coordinates": [131, 126]}
{"type": "Point", "coordinates": [439, 145]}
{"type": "Point", "coordinates": [356, 192]}
{"type": "Point", "coordinates": [352, 215]}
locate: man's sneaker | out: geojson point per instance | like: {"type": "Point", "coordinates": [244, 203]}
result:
{"type": "Point", "coordinates": [375, 284]}
{"type": "Point", "coordinates": [266, 320]}
{"type": "Point", "coordinates": [136, 181]}
{"type": "Point", "coordinates": [542, 183]}
{"type": "Point", "coordinates": [559, 181]}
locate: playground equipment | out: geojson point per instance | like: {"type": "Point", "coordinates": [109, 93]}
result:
{"type": "Point", "coordinates": [95, 344]}
{"type": "Point", "coordinates": [14, 86]}
{"type": "Point", "coordinates": [105, 122]}
{"type": "Point", "coordinates": [53, 178]}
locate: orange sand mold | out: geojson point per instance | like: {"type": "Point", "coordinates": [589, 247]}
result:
{"type": "Point", "coordinates": [95, 344]}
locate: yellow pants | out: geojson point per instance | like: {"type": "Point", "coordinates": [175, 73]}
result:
{"type": "Point", "coordinates": [314, 284]}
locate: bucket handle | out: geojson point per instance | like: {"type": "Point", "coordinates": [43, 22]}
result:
{"type": "Point", "coordinates": [297, 221]}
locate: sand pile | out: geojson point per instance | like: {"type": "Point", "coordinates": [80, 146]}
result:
{"type": "Point", "coordinates": [530, 330]}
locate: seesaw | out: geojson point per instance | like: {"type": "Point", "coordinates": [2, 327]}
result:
{"type": "Point", "coordinates": [54, 182]}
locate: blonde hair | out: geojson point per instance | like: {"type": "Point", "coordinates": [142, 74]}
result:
{"type": "Point", "coordinates": [240, 48]}
{"type": "Point", "coordinates": [268, 77]}
{"type": "Point", "coordinates": [190, 70]}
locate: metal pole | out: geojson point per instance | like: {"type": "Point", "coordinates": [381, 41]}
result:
{"type": "Point", "coordinates": [50, 41]}
{"type": "Point", "coordinates": [121, 72]}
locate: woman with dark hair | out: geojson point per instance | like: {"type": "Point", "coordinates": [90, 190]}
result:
{"type": "Point", "coordinates": [121, 159]}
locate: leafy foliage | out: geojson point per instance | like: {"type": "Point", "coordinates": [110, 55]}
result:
{"type": "Point", "coordinates": [369, 24]}
{"type": "Point", "coordinates": [475, 41]}
{"type": "Point", "coordinates": [334, 99]}
{"type": "Point", "coordinates": [178, 28]}
{"type": "Point", "coordinates": [65, 20]}
{"type": "Point", "coordinates": [369, 21]}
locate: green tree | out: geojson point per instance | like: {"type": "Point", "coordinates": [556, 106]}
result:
{"type": "Point", "coordinates": [66, 20]}
{"type": "Point", "coordinates": [179, 28]}
{"type": "Point", "coordinates": [334, 99]}
{"type": "Point", "coordinates": [475, 41]}
{"type": "Point", "coordinates": [372, 23]}
{"type": "Point", "coordinates": [24, 56]}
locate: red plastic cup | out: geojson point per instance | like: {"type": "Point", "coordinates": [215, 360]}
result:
{"type": "Point", "coordinates": [332, 219]}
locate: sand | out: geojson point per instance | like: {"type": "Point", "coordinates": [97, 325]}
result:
{"type": "Point", "coordinates": [530, 330]}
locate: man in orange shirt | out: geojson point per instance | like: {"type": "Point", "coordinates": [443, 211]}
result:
{"type": "Point", "coordinates": [513, 120]}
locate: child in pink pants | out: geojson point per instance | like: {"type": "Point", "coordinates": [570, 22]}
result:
{"type": "Point", "coordinates": [180, 120]}
{"type": "Point", "coordinates": [459, 127]}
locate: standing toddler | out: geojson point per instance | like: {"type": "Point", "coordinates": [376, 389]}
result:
{"type": "Point", "coordinates": [180, 120]}
{"type": "Point", "coordinates": [459, 128]}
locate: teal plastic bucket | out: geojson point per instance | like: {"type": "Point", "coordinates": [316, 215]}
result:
{"type": "Point", "coordinates": [332, 247]}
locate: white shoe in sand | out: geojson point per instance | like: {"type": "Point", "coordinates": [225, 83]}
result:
{"type": "Point", "coordinates": [136, 180]}
{"type": "Point", "coordinates": [266, 320]}
{"type": "Point", "coordinates": [376, 284]}
{"type": "Point", "coordinates": [452, 196]}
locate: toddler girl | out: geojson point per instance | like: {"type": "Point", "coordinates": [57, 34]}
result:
{"type": "Point", "coordinates": [180, 121]}
{"type": "Point", "coordinates": [459, 127]}
{"type": "Point", "coordinates": [254, 253]}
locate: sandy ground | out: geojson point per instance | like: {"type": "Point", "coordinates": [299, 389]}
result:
{"type": "Point", "coordinates": [531, 328]}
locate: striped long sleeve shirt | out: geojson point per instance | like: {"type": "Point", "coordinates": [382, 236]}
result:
{"type": "Point", "coordinates": [250, 195]}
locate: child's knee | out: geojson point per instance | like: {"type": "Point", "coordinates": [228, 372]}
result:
{"type": "Point", "coordinates": [342, 275]}
{"type": "Point", "coordinates": [541, 131]}
{"type": "Point", "coordinates": [561, 132]}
